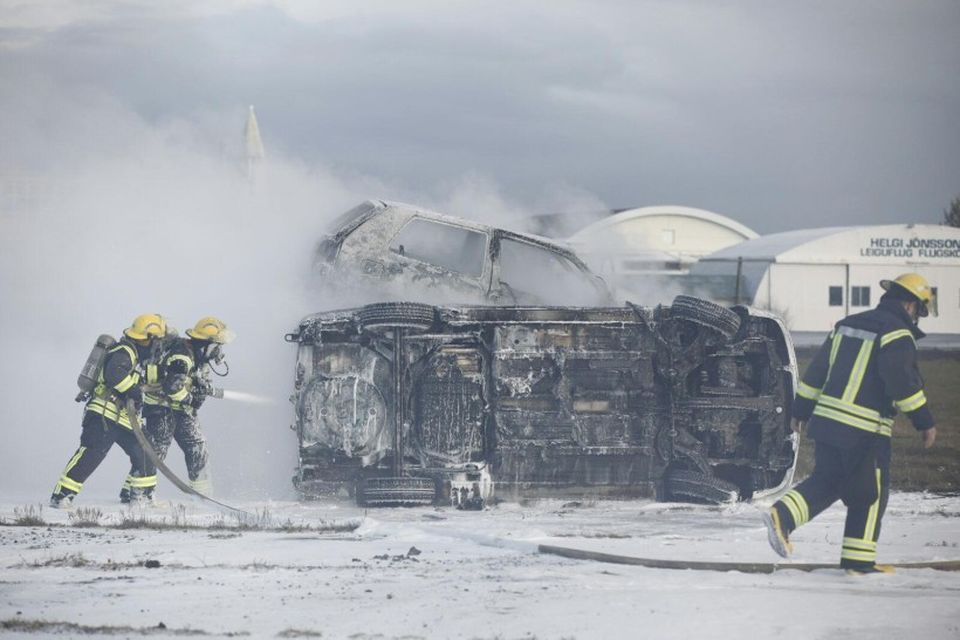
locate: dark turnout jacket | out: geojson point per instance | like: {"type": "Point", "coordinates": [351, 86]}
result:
{"type": "Point", "coordinates": [864, 373]}
{"type": "Point", "coordinates": [173, 374]}
{"type": "Point", "coordinates": [118, 380]}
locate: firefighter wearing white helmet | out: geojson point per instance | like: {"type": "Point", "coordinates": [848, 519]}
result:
{"type": "Point", "coordinates": [170, 408]}
{"type": "Point", "coordinates": [105, 418]}
{"type": "Point", "coordinates": [862, 376]}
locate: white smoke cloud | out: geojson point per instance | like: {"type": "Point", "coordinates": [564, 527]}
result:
{"type": "Point", "coordinates": [130, 218]}
{"type": "Point", "coordinates": [123, 216]}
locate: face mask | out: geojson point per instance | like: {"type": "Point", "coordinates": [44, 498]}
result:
{"type": "Point", "coordinates": [213, 353]}
{"type": "Point", "coordinates": [914, 311]}
{"type": "Point", "coordinates": [155, 349]}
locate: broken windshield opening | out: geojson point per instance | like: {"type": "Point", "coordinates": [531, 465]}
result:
{"type": "Point", "coordinates": [452, 248]}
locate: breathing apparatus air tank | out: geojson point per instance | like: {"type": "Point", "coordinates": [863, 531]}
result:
{"type": "Point", "coordinates": [87, 379]}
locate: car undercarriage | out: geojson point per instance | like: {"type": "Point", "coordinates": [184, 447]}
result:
{"type": "Point", "coordinates": [406, 403]}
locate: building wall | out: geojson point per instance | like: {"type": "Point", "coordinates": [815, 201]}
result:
{"type": "Point", "coordinates": [904, 244]}
{"type": "Point", "coordinates": [792, 273]}
{"type": "Point", "coordinates": [642, 252]}
{"type": "Point", "coordinates": [675, 234]}
{"type": "Point", "coordinates": [801, 292]}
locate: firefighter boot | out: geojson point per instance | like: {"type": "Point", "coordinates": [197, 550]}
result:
{"type": "Point", "coordinates": [125, 492]}
{"type": "Point", "coordinates": [776, 534]}
{"type": "Point", "coordinates": [877, 568]}
{"type": "Point", "coordinates": [62, 500]}
{"type": "Point", "coordinates": [202, 485]}
{"type": "Point", "coordinates": [142, 497]}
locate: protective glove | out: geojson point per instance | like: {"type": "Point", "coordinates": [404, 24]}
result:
{"type": "Point", "coordinates": [135, 393]}
{"type": "Point", "coordinates": [174, 383]}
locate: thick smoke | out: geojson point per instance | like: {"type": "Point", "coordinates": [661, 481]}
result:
{"type": "Point", "coordinates": [118, 216]}
{"type": "Point", "coordinates": [121, 217]}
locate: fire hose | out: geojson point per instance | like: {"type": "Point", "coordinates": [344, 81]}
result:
{"type": "Point", "coordinates": [164, 469]}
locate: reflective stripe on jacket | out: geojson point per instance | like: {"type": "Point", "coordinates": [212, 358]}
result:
{"type": "Point", "coordinates": [118, 376]}
{"type": "Point", "coordinates": [179, 360]}
{"type": "Point", "coordinates": [862, 375]}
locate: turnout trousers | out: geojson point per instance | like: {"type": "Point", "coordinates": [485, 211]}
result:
{"type": "Point", "coordinates": [163, 426]}
{"type": "Point", "coordinates": [97, 437]}
{"type": "Point", "coordinates": [861, 477]}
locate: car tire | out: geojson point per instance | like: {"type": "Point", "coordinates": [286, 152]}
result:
{"type": "Point", "coordinates": [396, 492]}
{"type": "Point", "coordinates": [706, 314]}
{"type": "Point", "coordinates": [389, 315]}
{"type": "Point", "coordinates": [695, 486]}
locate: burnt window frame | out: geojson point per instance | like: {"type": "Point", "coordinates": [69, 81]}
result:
{"type": "Point", "coordinates": [566, 264]}
{"type": "Point", "coordinates": [484, 253]}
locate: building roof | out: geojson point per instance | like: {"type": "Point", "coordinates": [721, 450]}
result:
{"type": "Point", "coordinates": [889, 243]}
{"type": "Point", "coordinates": [773, 245]}
{"type": "Point", "coordinates": [627, 215]}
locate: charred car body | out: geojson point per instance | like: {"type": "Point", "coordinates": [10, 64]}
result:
{"type": "Point", "coordinates": [407, 403]}
{"type": "Point", "coordinates": [405, 251]}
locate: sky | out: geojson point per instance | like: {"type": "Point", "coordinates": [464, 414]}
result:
{"type": "Point", "coordinates": [779, 115]}
{"type": "Point", "coordinates": [124, 121]}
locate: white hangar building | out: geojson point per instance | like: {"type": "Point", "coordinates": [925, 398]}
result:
{"type": "Point", "coordinates": [815, 277]}
{"type": "Point", "coordinates": [630, 246]}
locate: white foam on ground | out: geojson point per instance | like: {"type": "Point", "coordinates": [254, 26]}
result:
{"type": "Point", "coordinates": [475, 575]}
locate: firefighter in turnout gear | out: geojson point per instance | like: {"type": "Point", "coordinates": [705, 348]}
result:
{"type": "Point", "coordinates": [863, 374]}
{"type": "Point", "coordinates": [176, 389]}
{"type": "Point", "coordinates": [105, 418]}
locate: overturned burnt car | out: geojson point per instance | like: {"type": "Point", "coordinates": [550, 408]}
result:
{"type": "Point", "coordinates": [407, 403]}
{"type": "Point", "coordinates": [409, 252]}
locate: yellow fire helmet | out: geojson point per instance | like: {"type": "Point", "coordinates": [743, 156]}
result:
{"type": "Point", "coordinates": [146, 326]}
{"type": "Point", "coordinates": [212, 329]}
{"type": "Point", "coordinates": [917, 285]}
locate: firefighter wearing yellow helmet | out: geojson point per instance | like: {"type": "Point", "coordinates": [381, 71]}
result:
{"type": "Point", "coordinates": [913, 286]}
{"type": "Point", "coordinates": [211, 329]}
{"type": "Point", "coordinates": [170, 406]}
{"type": "Point", "coordinates": [105, 418]}
{"type": "Point", "coordinates": [862, 376]}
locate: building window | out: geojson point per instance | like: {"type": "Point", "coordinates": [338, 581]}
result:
{"type": "Point", "coordinates": [836, 296]}
{"type": "Point", "coordinates": [668, 236]}
{"type": "Point", "coordinates": [860, 296]}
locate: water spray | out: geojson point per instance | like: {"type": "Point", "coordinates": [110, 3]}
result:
{"type": "Point", "coordinates": [241, 396]}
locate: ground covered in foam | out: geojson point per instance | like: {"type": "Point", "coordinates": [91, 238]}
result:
{"type": "Point", "coordinates": [332, 570]}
